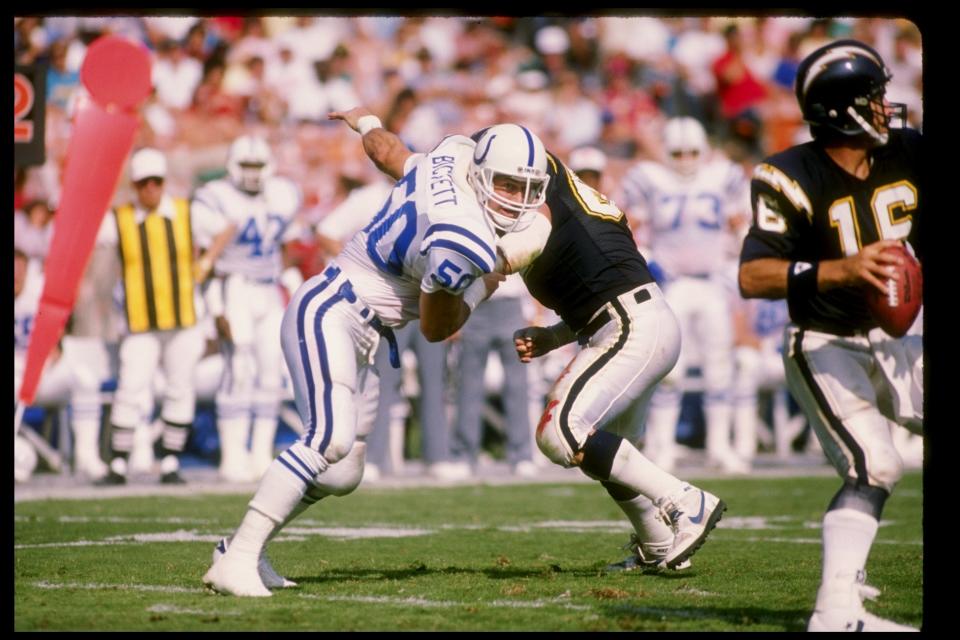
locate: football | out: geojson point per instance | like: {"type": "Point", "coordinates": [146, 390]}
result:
{"type": "Point", "coordinates": [896, 311]}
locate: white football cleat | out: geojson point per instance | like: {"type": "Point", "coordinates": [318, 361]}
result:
{"type": "Point", "coordinates": [692, 514]}
{"type": "Point", "coordinates": [844, 611]}
{"type": "Point", "coordinates": [646, 556]}
{"type": "Point", "coordinates": [268, 575]}
{"type": "Point", "coordinates": [236, 574]}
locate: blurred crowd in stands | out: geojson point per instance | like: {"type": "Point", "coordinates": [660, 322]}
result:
{"type": "Point", "coordinates": [605, 83]}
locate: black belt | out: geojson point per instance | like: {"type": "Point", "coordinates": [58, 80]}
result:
{"type": "Point", "coordinates": [387, 333]}
{"type": "Point", "coordinates": [346, 290]}
{"type": "Point", "coordinates": [584, 335]}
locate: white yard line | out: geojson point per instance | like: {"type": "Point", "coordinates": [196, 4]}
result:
{"type": "Point", "coordinates": [385, 531]}
{"type": "Point", "coordinates": [378, 600]}
{"type": "Point", "coordinates": [169, 608]}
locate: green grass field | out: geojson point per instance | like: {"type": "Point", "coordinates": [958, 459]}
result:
{"type": "Point", "coordinates": [479, 558]}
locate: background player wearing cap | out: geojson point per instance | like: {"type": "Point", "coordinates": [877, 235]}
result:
{"type": "Point", "coordinates": [160, 304]}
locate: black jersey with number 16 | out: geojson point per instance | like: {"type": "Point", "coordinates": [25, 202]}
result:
{"type": "Point", "coordinates": [806, 208]}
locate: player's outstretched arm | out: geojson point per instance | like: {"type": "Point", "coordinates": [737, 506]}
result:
{"type": "Point", "coordinates": [384, 148]}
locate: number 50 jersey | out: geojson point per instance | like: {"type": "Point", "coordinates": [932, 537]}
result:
{"type": "Point", "coordinates": [807, 208]}
{"type": "Point", "coordinates": [430, 234]}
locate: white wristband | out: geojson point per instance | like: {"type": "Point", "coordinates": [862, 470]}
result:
{"type": "Point", "coordinates": [475, 294]}
{"type": "Point", "coordinates": [366, 123]}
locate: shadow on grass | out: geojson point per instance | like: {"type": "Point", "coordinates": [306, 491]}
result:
{"type": "Point", "coordinates": [633, 615]}
{"type": "Point", "coordinates": [421, 570]}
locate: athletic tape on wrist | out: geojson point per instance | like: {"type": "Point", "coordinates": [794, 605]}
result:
{"type": "Point", "coordinates": [366, 123]}
{"type": "Point", "coordinates": [475, 294]}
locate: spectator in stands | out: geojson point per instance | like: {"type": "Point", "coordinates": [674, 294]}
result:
{"type": "Point", "coordinates": [33, 229]}
{"type": "Point", "coordinates": [740, 94]}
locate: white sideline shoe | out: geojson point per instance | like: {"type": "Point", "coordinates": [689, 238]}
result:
{"type": "Point", "coordinates": [235, 474]}
{"type": "Point", "coordinates": [236, 574]}
{"type": "Point", "coordinates": [450, 471]}
{"type": "Point", "coordinates": [646, 556]}
{"type": "Point", "coordinates": [732, 464]}
{"type": "Point", "coordinates": [526, 469]}
{"type": "Point", "coordinates": [92, 467]}
{"type": "Point", "coordinates": [692, 514]}
{"type": "Point", "coordinates": [849, 614]}
{"type": "Point", "coordinates": [268, 575]}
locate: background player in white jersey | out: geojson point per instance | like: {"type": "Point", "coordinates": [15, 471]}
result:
{"type": "Point", "coordinates": [244, 297]}
{"type": "Point", "coordinates": [428, 254]}
{"type": "Point", "coordinates": [65, 379]}
{"type": "Point", "coordinates": [688, 209]}
{"type": "Point", "coordinates": [825, 212]}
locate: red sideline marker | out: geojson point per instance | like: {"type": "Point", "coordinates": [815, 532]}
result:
{"type": "Point", "coordinates": [116, 73]}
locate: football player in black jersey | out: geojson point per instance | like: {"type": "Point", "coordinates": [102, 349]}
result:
{"type": "Point", "coordinates": [824, 212]}
{"type": "Point", "coordinates": [591, 274]}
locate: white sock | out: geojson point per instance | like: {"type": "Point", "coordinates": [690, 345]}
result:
{"type": "Point", "coordinates": [261, 441]}
{"type": "Point", "coordinates": [745, 429]}
{"type": "Point", "coordinates": [86, 433]}
{"type": "Point", "coordinates": [718, 417]}
{"type": "Point", "coordinates": [643, 517]}
{"type": "Point", "coordinates": [661, 437]}
{"type": "Point", "coordinates": [233, 441]}
{"type": "Point", "coordinates": [633, 470]}
{"type": "Point", "coordinates": [847, 537]}
{"type": "Point", "coordinates": [253, 533]}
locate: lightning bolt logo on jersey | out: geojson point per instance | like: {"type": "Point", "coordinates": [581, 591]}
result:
{"type": "Point", "coordinates": [809, 209]}
{"type": "Point", "coordinates": [430, 234]}
{"type": "Point", "coordinates": [263, 224]}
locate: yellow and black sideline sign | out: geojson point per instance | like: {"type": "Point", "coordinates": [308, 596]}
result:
{"type": "Point", "coordinates": [157, 256]}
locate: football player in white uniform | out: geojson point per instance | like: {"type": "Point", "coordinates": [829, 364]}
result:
{"type": "Point", "coordinates": [245, 299]}
{"type": "Point", "coordinates": [429, 255]}
{"type": "Point", "coordinates": [689, 207]}
{"type": "Point", "coordinates": [65, 378]}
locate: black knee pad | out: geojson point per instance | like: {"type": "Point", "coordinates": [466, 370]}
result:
{"type": "Point", "coordinates": [860, 497]}
{"type": "Point", "coordinates": [619, 492]}
{"type": "Point", "coordinates": [598, 453]}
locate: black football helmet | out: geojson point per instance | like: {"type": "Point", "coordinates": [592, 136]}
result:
{"type": "Point", "coordinates": [841, 88]}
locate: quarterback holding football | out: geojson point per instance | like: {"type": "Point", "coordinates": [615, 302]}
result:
{"type": "Point", "coordinates": [835, 223]}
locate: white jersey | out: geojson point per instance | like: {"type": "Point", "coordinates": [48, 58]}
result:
{"type": "Point", "coordinates": [689, 218]}
{"type": "Point", "coordinates": [263, 220]}
{"type": "Point", "coordinates": [430, 234]}
{"type": "Point", "coordinates": [25, 307]}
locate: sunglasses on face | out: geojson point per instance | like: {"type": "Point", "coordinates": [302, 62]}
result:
{"type": "Point", "coordinates": [140, 184]}
{"type": "Point", "coordinates": [679, 154]}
